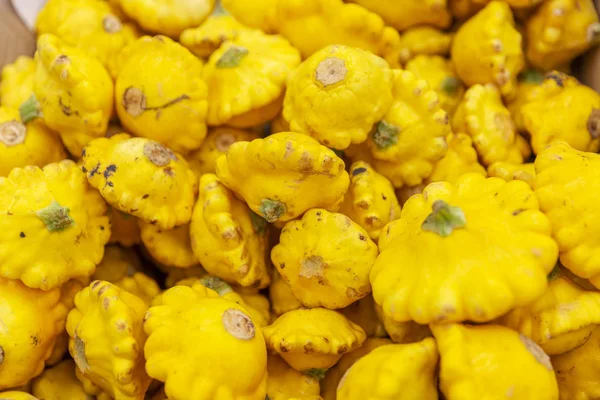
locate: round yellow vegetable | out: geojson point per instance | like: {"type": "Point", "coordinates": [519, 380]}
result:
{"type": "Point", "coordinates": [286, 383]}
{"type": "Point", "coordinates": [90, 25]}
{"type": "Point", "coordinates": [410, 137]}
{"type": "Point", "coordinates": [16, 82]}
{"type": "Point", "coordinates": [107, 339]}
{"type": "Point", "coordinates": [59, 383]}
{"type": "Point", "coordinates": [313, 339]}
{"type": "Point", "coordinates": [393, 372]}
{"type": "Point", "coordinates": [228, 239]}
{"type": "Point", "coordinates": [492, 362]}
{"type": "Point", "coordinates": [167, 101]}
{"type": "Point", "coordinates": [329, 99]}
{"type": "Point", "coordinates": [189, 327]}
{"type": "Point", "coordinates": [562, 109]}
{"type": "Point", "coordinates": [31, 320]}
{"type": "Point", "coordinates": [560, 30]}
{"type": "Point", "coordinates": [143, 178]}
{"type": "Point", "coordinates": [284, 175]}
{"type": "Point", "coordinates": [487, 49]}
{"type": "Point", "coordinates": [330, 273]}
{"type": "Point", "coordinates": [465, 251]}
{"type": "Point", "coordinates": [72, 91]}
{"type": "Point", "coordinates": [483, 116]}
{"type": "Point", "coordinates": [562, 319]}
{"type": "Point", "coordinates": [53, 225]}
{"type": "Point", "coordinates": [168, 18]}
{"type": "Point", "coordinates": [26, 144]}
{"type": "Point", "coordinates": [565, 180]}
{"type": "Point", "coordinates": [246, 79]}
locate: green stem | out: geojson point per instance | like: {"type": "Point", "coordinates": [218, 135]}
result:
{"type": "Point", "coordinates": [55, 217]}
{"type": "Point", "coordinates": [216, 284]}
{"type": "Point", "coordinates": [30, 109]}
{"type": "Point", "coordinates": [444, 219]}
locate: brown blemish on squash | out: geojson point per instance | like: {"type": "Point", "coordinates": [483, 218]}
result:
{"type": "Point", "coordinates": [330, 71]}
{"type": "Point", "coordinates": [223, 141]}
{"type": "Point", "coordinates": [593, 124]}
{"type": "Point", "coordinates": [12, 133]}
{"type": "Point", "coordinates": [134, 101]}
{"type": "Point", "coordinates": [79, 356]}
{"type": "Point", "coordinates": [158, 154]}
{"type": "Point", "coordinates": [312, 266]}
{"type": "Point", "coordinates": [536, 351]}
{"type": "Point", "coordinates": [238, 324]}
{"type": "Point", "coordinates": [111, 24]}
{"type": "Point", "coordinates": [1, 355]}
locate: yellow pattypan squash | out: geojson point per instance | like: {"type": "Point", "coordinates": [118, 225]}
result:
{"type": "Point", "coordinates": [333, 375]}
{"type": "Point", "coordinates": [124, 228]}
{"type": "Point", "coordinates": [483, 116]}
{"type": "Point", "coordinates": [560, 30]}
{"type": "Point", "coordinates": [31, 321]}
{"type": "Point", "coordinates": [337, 94]}
{"type": "Point", "coordinates": [332, 273]}
{"type": "Point", "coordinates": [53, 225]}
{"type": "Point", "coordinates": [73, 93]}
{"type": "Point", "coordinates": [122, 268]}
{"type": "Point", "coordinates": [59, 383]}
{"type": "Point", "coordinates": [562, 319]}
{"type": "Point", "coordinates": [246, 79]}
{"type": "Point", "coordinates": [564, 183]}
{"type": "Point", "coordinates": [284, 175]}
{"type": "Point", "coordinates": [424, 40]}
{"type": "Point", "coordinates": [16, 82]}
{"type": "Point", "coordinates": [228, 239]}
{"type": "Point", "coordinates": [281, 295]}
{"type": "Point", "coordinates": [285, 383]}
{"type": "Point", "coordinates": [16, 396]}
{"type": "Point", "coordinates": [577, 371]}
{"type": "Point", "coordinates": [211, 34]}
{"type": "Point", "coordinates": [330, 21]}
{"type": "Point", "coordinates": [107, 339]}
{"type": "Point", "coordinates": [492, 362]}
{"type": "Point", "coordinates": [370, 200]}
{"type": "Point", "coordinates": [527, 82]}
{"type": "Point", "coordinates": [89, 25]}
{"type": "Point", "coordinates": [363, 313]}
{"type": "Point", "coordinates": [167, 101]}
{"type": "Point", "coordinates": [143, 178]}
{"type": "Point", "coordinates": [439, 74]}
{"type": "Point", "coordinates": [189, 326]}
{"type": "Point", "coordinates": [168, 18]}
{"type": "Point", "coordinates": [170, 247]}
{"type": "Point", "coordinates": [405, 14]}
{"type": "Point", "coordinates": [410, 137]}
{"type": "Point", "coordinates": [508, 172]}
{"type": "Point", "coordinates": [313, 339]}
{"type": "Point", "coordinates": [393, 372]}
{"type": "Point", "coordinates": [563, 109]}
{"type": "Point", "coordinates": [26, 144]}
{"type": "Point", "coordinates": [487, 49]}
{"type": "Point", "coordinates": [466, 251]}
{"type": "Point", "coordinates": [217, 142]}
